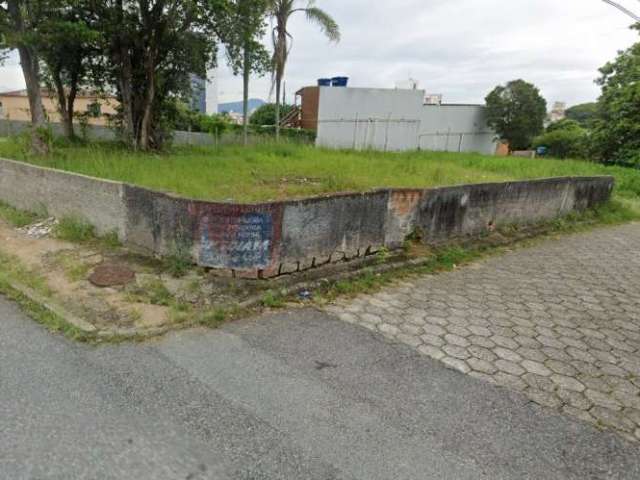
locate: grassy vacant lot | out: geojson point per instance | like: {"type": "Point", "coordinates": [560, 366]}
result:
{"type": "Point", "coordinates": [274, 172]}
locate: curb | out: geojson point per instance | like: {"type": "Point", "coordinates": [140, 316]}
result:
{"type": "Point", "coordinates": [348, 275]}
{"type": "Point", "coordinates": [55, 309]}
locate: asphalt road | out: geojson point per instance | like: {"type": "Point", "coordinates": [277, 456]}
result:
{"type": "Point", "coordinates": [296, 395]}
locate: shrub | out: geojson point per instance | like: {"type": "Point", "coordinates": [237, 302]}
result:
{"type": "Point", "coordinates": [266, 114]}
{"type": "Point", "coordinates": [296, 135]}
{"type": "Point", "coordinates": [568, 140]}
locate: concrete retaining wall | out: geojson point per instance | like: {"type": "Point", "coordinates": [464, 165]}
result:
{"type": "Point", "coordinates": [271, 239]}
{"type": "Point", "coordinates": [63, 194]}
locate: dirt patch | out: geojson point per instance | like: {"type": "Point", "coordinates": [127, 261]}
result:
{"type": "Point", "coordinates": [120, 293]}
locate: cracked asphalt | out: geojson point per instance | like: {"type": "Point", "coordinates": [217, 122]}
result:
{"type": "Point", "coordinates": [559, 322]}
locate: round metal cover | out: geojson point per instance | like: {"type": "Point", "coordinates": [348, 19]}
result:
{"type": "Point", "coordinates": [111, 275]}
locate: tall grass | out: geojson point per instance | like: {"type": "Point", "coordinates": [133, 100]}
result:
{"type": "Point", "coordinates": [280, 171]}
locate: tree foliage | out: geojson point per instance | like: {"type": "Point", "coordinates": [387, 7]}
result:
{"type": "Point", "coordinates": [19, 24]}
{"type": "Point", "coordinates": [184, 119]}
{"type": "Point", "coordinates": [585, 113]}
{"type": "Point", "coordinates": [153, 46]}
{"type": "Point", "coordinates": [565, 139]}
{"type": "Point", "coordinates": [516, 111]}
{"type": "Point", "coordinates": [142, 51]}
{"type": "Point", "coordinates": [616, 131]}
{"type": "Point", "coordinates": [266, 114]}
{"type": "Point", "coordinates": [68, 44]}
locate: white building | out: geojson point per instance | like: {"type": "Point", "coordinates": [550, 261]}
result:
{"type": "Point", "coordinates": [211, 89]}
{"type": "Point", "coordinates": [393, 119]}
{"type": "Point", "coordinates": [558, 112]}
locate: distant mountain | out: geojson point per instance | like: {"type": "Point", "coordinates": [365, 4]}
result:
{"type": "Point", "coordinates": [237, 106]}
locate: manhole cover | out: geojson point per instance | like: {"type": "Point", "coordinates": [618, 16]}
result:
{"type": "Point", "coordinates": [111, 275]}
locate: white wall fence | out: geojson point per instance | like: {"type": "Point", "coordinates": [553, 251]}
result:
{"type": "Point", "coordinates": [397, 120]}
{"type": "Point", "coordinates": [368, 133]}
{"type": "Point", "coordinates": [481, 142]}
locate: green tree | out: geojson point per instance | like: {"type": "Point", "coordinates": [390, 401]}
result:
{"type": "Point", "coordinates": [245, 51]}
{"type": "Point", "coordinates": [566, 124]}
{"type": "Point", "coordinates": [266, 114]}
{"type": "Point", "coordinates": [281, 11]}
{"type": "Point", "coordinates": [516, 111]}
{"type": "Point", "coordinates": [19, 22]}
{"type": "Point", "coordinates": [585, 113]}
{"type": "Point", "coordinates": [153, 46]}
{"type": "Point", "coordinates": [616, 132]}
{"type": "Point", "coordinates": [69, 47]}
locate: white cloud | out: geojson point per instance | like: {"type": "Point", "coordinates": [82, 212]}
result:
{"type": "Point", "coordinates": [460, 48]}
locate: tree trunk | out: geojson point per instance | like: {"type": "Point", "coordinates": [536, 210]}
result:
{"type": "Point", "coordinates": [31, 72]}
{"type": "Point", "coordinates": [126, 94]}
{"type": "Point", "coordinates": [66, 103]}
{"type": "Point", "coordinates": [147, 117]}
{"type": "Point", "coordinates": [125, 83]}
{"type": "Point", "coordinates": [71, 103]}
{"type": "Point", "coordinates": [245, 97]}
{"type": "Point", "coordinates": [281, 60]}
{"type": "Point", "coordinates": [278, 85]}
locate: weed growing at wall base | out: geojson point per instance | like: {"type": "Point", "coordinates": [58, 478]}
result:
{"type": "Point", "coordinates": [18, 218]}
{"type": "Point", "coordinates": [74, 229]}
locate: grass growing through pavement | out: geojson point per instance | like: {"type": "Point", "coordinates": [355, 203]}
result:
{"type": "Point", "coordinates": [280, 171]}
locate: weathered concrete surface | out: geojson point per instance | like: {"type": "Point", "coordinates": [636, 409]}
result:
{"type": "Point", "coordinates": [559, 322]}
{"type": "Point", "coordinates": [296, 395]}
{"type": "Point", "coordinates": [268, 239]}
{"type": "Point", "coordinates": [472, 209]}
{"type": "Point", "coordinates": [60, 193]}
{"type": "Point", "coordinates": [320, 230]}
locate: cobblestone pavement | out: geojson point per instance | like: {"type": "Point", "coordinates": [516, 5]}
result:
{"type": "Point", "coordinates": [559, 322]}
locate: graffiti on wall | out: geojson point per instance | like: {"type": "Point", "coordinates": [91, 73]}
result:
{"type": "Point", "coordinates": [236, 237]}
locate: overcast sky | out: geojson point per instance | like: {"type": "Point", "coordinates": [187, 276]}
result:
{"type": "Point", "coordinates": [459, 48]}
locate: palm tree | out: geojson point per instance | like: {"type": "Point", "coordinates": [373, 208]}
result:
{"type": "Point", "coordinates": [280, 11]}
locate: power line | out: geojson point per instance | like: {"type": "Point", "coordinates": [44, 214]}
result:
{"type": "Point", "coordinates": [623, 9]}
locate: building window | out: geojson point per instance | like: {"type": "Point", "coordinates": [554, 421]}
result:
{"type": "Point", "coordinates": [1, 110]}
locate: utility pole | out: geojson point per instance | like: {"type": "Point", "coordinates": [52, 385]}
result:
{"type": "Point", "coordinates": [624, 10]}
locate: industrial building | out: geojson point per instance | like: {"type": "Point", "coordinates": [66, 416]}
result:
{"type": "Point", "coordinates": [391, 120]}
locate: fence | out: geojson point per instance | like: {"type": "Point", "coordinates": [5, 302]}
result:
{"type": "Point", "coordinates": [101, 133]}
{"type": "Point", "coordinates": [369, 133]}
{"type": "Point", "coordinates": [449, 141]}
